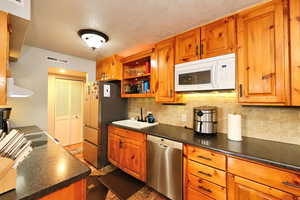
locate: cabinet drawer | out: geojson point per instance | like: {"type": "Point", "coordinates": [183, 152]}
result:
{"type": "Point", "coordinates": [206, 157]}
{"type": "Point", "coordinates": [207, 173]}
{"type": "Point", "coordinates": [127, 133]}
{"type": "Point", "coordinates": [90, 153]}
{"type": "Point", "coordinates": [192, 194]}
{"type": "Point", "coordinates": [207, 188]}
{"type": "Point", "coordinates": [276, 178]}
{"type": "Point", "coordinates": [91, 135]}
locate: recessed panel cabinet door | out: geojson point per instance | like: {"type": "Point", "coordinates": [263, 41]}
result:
{"type": "Point", "coordinates": [295, 50]}
{"type": "Point", "coordinates": [262, 62]}
{"type": "Point", "coordinates": [165, 71]}
{"type": "Point", "coordinates": [242, 189]}
{"type": "Point", "coordinates": [132, 158]}
{"type": "Point", "coordinates": [218, 38]}
{"type": "Point", "coordinates": [187, 46]}
{"type": "Point", "coordinates": [114, 144]}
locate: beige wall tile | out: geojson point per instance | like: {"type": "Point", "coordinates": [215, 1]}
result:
{"type": "Point", "coordinates": [271, 123]}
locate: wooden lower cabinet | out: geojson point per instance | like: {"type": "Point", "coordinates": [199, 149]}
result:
{"type": "Point", "coordinates": [75, 191]}
{"type": "Point", "coordinates": [127, 151]}
{"type": "Point", "coordinates": [192, 194]}
{"type": "Point", "coordinates": [206, 178]}
{"type": "Point", "coordinates": [242, 189]}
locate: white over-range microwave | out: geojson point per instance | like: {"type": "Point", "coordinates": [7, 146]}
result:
{"type": "Point", "coordinates": [217, 73]}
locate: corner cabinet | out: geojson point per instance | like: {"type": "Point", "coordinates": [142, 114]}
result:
{"type": "Point", "coordinates": [218, 38]}
{"type": "Point", "coordinates": [127, 151]}
{"type": "Point", "coordinates": [263, 66]}
{"type": "Point", "coordinates": [4, 55]}
{"type": "Point", "coordinates": [295, 51]}
{"type": "Point", "coordinates": [109, 69]}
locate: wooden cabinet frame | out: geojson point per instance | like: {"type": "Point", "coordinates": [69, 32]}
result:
{"type": "Point", "coordinates": [279, 78]}
{"type": "Point", "coordinates": [4, 55]}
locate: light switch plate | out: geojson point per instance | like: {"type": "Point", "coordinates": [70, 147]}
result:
{"type": "Point", "coordinates": [106, 90]}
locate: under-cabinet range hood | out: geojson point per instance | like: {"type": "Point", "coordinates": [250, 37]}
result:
{"type": "Point", "coordinates": [15, 91]}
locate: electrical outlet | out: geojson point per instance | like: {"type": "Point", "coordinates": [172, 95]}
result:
{"type": "Point", "coordinates": [183, 117]}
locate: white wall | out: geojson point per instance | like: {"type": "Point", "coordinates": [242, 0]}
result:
{"type": "Point", "coordinates": [31, 72]}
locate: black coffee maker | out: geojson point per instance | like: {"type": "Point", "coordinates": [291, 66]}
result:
{"type": "Point", "coordinates": [4, 117]}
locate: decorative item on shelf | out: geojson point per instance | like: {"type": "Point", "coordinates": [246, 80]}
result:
{"type": "Point", "coordinates": [14, 148]}
{"type": "Point", "coordinates": [150, 118]}
{"type": "Point", "coordinates": [234, 127]}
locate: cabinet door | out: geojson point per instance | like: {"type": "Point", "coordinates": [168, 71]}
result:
{"type": "Point", "coordinates": [218, 38]}
{"type": "Point", "coordinates": [295, 50]}
{"type": "Point", "coordinates": [87, 105]}
{"type": "Point", "coordinates": [114, 144]}
{"type": "Point", "coordinates": [262, 62]}
{"type": "Point", "coordinates": [187, 46]}
{"type": "Point", "coordinates": [4, 47]}
{"type": "Point", "coordinates": [165, 71]}
{"type": "Point", "coordinates": [241, 189]}
{"type": "Point", "coordinates": [133, 158]}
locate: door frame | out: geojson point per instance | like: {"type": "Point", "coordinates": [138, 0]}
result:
{"type": "Point", "coordinates": [60, 73]}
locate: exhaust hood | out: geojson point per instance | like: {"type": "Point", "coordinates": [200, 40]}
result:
{"type": "Point", "coordinates": [15, 91]}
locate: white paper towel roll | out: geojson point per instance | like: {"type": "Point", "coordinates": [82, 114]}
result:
{"type": "Point", "coordinates": [234, 127]}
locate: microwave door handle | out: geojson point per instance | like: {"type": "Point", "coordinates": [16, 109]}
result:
{"type": "Point", "coordinates": [214, 76]}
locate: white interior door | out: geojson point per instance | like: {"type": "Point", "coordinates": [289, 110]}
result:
{"type": "Point", "coordinates": [68, 111]}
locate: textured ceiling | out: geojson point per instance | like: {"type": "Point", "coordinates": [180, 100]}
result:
{"type": "Point", "coordinates": [129, 23]}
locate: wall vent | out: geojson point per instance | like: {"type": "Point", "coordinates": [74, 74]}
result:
{"type": "Point", "coordinates": [57, 60]}
{"type": "Point", "coordinates": [18, 2]}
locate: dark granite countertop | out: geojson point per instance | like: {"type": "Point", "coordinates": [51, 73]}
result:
{"type": "Point", "coordinates": [48, 168]}
{"type": "Point", "coordinates": [278, 154]}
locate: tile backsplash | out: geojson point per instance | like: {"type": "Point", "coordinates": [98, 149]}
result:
{"type": "Point", "coordinates": [270, 123]}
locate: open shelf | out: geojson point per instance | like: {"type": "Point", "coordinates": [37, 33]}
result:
{"type": "Point", "coordinates": [137, 76]}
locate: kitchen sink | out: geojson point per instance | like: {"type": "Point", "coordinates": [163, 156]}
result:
{"type": "Point", "coordinates": [134, 124]}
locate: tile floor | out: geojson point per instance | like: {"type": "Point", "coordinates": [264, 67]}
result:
{"type": "Point", "coordinates": [145, 193]}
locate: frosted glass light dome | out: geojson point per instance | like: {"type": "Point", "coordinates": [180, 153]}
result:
{"type": "Point", "coordinates": [93, 39]}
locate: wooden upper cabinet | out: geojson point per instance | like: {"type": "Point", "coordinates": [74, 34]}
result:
{"type": "Point", "coordinates": [164, 85]}
{"type": "Point", "coordinates": [188, 46]}
{"type": "Point", "coordinates": [263, 70]}
{"type": "Point", "coordinates": [4, 49]}
{"type": "Point", "coordinates": [241, 189]}
{"type": "Point", "coordinates": [109, 69]}
{"type": "Point", "coordinates": [295, 51]}
{"type": "Point", "coordinates": [218, 38]}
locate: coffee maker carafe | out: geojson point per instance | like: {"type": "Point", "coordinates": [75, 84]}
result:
{"type": "Point", "coordinates": [4, 119]}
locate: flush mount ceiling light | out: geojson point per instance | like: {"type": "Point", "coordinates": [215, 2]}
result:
{"type": "Point", "coordinates": [94, 39]}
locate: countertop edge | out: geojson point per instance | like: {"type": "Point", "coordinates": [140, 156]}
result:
{"type": "Point", "coordinates": [220, 150]}
{"type": "Point", "coordinates": [54, 188]}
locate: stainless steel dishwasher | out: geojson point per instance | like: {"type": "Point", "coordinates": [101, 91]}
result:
{"type": "Point", "coordinates": [164, 172]}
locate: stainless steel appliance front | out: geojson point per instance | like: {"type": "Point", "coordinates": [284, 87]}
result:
{"type": "Point", "coordinates": [164, 172]}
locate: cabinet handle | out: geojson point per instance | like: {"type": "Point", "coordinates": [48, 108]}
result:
{"type": "Point", "coordinates": [241, 90]}
{"type": "Point", "coordinates": [197, 49]}
{"type": "Point", "coordinates": [267, 76]}
{"type": "Point", "coordinates": [206, 174]}
{"type": "Point", "coordinates": [201, 50]}
{"type": "Point", "coordinates": [205, 189]}
{"type": "Point", "coordinates": [291, 184]}
{"type": "Point", "coordinates": [120, 144]}
{"type": "Point", "coordinates": [204, 158]}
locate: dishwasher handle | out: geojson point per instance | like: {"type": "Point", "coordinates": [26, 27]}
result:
{"type": "Point", "coordinates": [164, 143]}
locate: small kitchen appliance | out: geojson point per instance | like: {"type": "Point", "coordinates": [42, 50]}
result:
{"type": "Point", "coordinates": [4, 119]}
{"type": "Point", "coordinates": [217, 73]}
{"type": "Point", "coordinates": [205, 120]}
